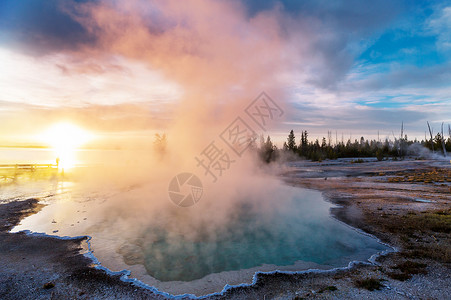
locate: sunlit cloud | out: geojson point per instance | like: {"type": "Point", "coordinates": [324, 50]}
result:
{"type": "Point", "coordinates": [149, 66]}
{"type": "Point", "coordinates": [63, 80]}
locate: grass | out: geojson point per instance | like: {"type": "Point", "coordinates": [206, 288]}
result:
{"type": "Point", "coordinates": [357, 161]}
{"type": "Point", "coordinates": [406, 269]}
{"type": "Point", "coordinates": [49, 285]}
{"type": "Point", "coordinates": [370, 284]}
{"type": "Point", "coordinates": [328, 288]}
{"type": "Point", "coordinates": [436, 175]}
{"type": "Point", "coordinates": [434, 221]}
{"type": "Point", "coordinates": [441, 253]}
{"type": "Point", "coordinates": [399, 276]}
{"type": "Point", "coordinates": [423, 235]}
{"type": "Point", "coordinates": [411, 267]}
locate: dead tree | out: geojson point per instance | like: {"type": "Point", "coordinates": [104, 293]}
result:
{"type": "Point", "coordinates": [432, 139]}
{"type": "Point", "coordinates": [401, 141]}
{"type": "Point", "coordinates": [443, 142]}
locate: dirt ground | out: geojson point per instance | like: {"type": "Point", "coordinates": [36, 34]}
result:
{"type": "Point", "coordinates": [404, 203]}
{"type": "Point", "coordinates": [34, 267]}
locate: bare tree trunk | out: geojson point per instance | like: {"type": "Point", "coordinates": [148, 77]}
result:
{"type": "Point", "coordinates": [401, 141]}
{"type": "Point", "coordinates": [402, 129]}
{"type": "Point", "coordinates": [443, 142]}
{"type": "Point", "coordinates": [432, 139]}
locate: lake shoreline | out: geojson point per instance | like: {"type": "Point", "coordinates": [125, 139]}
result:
{"type": "Point", "coordinates": [27, 259]}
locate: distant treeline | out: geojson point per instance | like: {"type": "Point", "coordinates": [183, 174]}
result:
{"type": "Point", "coordinates": [318, 150]}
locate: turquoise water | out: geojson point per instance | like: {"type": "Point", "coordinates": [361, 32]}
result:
{"type": "Point", "coordinates": [297, 228]}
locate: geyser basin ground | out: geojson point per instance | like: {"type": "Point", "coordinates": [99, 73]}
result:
{"type": "Point", "coordinates": [179, 251]}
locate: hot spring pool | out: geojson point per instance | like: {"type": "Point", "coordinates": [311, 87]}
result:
{"type": "Point", "coordinates": [180, 251]}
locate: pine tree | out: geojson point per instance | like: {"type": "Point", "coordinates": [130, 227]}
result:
{"type": "Point", "coordinates": [305, 138]}
{"type": "Point", "coordinates": [291, 143]}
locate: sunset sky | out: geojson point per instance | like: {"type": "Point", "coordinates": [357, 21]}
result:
{"type": "Point", "coordinates": [128, 69]}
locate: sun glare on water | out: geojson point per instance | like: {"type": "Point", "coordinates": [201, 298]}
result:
{"type": "Point", "coordinates": [65, 139]}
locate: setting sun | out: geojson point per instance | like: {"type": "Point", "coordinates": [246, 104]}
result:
{"type": "Point", "coordinates": [65, 139]}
